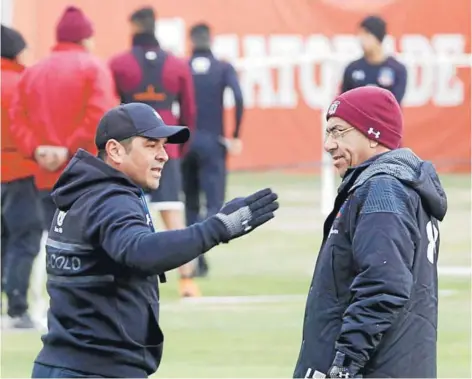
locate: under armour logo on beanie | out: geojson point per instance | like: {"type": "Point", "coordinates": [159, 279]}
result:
{"type": "Point", "coordinates": [373, 111]}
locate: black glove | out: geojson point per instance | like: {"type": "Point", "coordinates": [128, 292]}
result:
{"type": "Point", "coordinates": [343, 367]}
{"type": "Point", "coordinates": [244, 214]}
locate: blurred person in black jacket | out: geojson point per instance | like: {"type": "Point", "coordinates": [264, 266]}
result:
{"type": "Point", "coordinates": [375, 68]}
{"type": "Point", "coordinates": [204, 167]}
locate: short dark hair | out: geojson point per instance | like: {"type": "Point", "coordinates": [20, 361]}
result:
{"type": "Point", "coordinates": [199, 29]}
{"type": "Point", "coordinates": [376, 26]}
{"type": "Point", "coordinates": [200, 34]}
{"type": "Point", "coordinates": [145, 18]}
{"type": "Point", "coordinates": [127, 144]}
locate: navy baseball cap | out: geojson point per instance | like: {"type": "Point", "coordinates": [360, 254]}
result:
{"type": "Point", "coordinates": [136, 119]}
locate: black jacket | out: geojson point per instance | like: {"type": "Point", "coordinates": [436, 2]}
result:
{"type": "Point", "coordinates": [102, 262]}
{"type": "Point", "coordinates": [374, 293]}
{"type": "Point", "coordinates": [211, 77]}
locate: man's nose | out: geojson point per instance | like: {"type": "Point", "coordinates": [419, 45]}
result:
{"type": "Point", "coordinates": [162, 155]}
{"type": "Point", "coordinates": [330, 144]}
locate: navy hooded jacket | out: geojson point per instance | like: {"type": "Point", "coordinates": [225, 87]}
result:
{"type": "Point", "coordinates": [211, 77]}
{"type": "Point", "coordinates": [374, 293]}
{"type": "Point", "coordinates": [102, 263]}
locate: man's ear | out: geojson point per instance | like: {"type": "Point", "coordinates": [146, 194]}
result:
{"type": "Point", "coordinates": [115, 151]}
{"type": "Point", "coordinates": [373, 144]}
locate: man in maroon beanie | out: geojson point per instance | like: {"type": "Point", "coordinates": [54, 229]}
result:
{"type": "Point", "coordinates": [59, 103]}
{"type": "Point", "coordinates": [372, 308]}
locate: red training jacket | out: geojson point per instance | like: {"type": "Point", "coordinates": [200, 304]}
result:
{"type": "Point", "coordinates": [14, 164]}
{"type": "Point", "coordinates": [176, 78]}
{"type": "Point", "coordinates": [59, 102]}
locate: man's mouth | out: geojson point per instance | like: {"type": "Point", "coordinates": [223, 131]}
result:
{"type": "Point", "coordinates": [337, 159]}
{"type": "Point", "coordinates": [157, 171]}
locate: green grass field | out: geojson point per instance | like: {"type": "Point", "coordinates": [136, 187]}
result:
{"type": "Point", "coordinates": [255, 330]}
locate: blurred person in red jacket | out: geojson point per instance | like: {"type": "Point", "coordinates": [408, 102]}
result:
{"type": "Point", "coordinates": [59, 103]}
{"type": "Point", "coordinates": [150, 75]}
{"type": "Point", "coordinates": [21, 213]}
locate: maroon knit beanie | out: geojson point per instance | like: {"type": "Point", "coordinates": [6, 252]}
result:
{"type": "Point", "coordinates": [73, 26]}
{"type": "Point", "coordinates": [373, 111]}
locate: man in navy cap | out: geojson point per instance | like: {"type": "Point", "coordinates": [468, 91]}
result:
{"type": "Point", "coordinates": [375, 68]}
{"type": "Point", "coordinates": [372, 307]}
{"type": "Point", "coordinates": [104, 257]}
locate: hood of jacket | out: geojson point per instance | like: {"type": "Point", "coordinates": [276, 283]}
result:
{"type": "Point", "coordinates": [85, 173]}
{"type": "Point", "coordinates": [407, 167]}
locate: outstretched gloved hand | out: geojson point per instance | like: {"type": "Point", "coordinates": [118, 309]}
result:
{"type": "Point", "coordinates": [242, 215]}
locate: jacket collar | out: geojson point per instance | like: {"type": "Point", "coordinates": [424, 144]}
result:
{"type": "Point", "coordinates": [145, 40]}
{"type": "Point", "coordinates": [202, 53]}
{"type": "Point", "coordinates": [68, 46]}
{"type": "Point", "coordinates": [11, 65]}
{"type": "Point", "coordinates": [354, 172]}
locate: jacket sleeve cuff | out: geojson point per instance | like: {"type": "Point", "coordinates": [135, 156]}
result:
{"type": "Point", "coordinates": [214, 223]}
{"type": "Point", "coordinates": [345, 360]}
{"type": "Point", "coordinates": [30, 153]}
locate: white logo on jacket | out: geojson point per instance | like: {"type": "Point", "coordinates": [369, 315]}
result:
{"type": "Point", "coordinates": [358, 75]}
{"type": "Point", "coordinates": [201, 65]}
{"type": "Point", "coordinates": [59, 221]}
{"type": "Point", "coordinates": [148, 219]}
